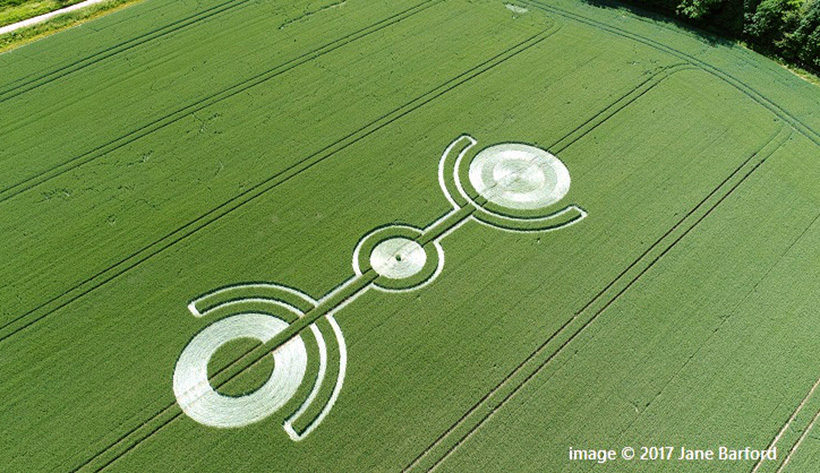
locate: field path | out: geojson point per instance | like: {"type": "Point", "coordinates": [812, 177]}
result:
{"type": "Point", "coordinates": [47, 16]}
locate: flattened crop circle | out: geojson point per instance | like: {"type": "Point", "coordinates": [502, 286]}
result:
{"type": "Point", "coordinates": [395, 254]}
{"type": "Point", "coordinates": [519, 176]}
{"type": "Point", "coordinates": [201, 402]}
{"type": "Point", "coordinates": [398, 258]}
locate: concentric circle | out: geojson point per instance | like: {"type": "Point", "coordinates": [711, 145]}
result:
{"type": "Point", "coordinates": [394, 253]}
{"type": "Point", "coordinates": [398, 258]}
{"type": "Point", "coordinates": [519, 176]}
{"type": "Point", "coordinates": [201, 402]}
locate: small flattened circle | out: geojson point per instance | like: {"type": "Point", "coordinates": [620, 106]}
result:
{"type": "Point", "coordinates": [398, 258]}
{"type": "Point", "coordinates": [519, 176]}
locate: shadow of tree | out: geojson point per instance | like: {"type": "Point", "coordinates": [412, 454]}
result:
{"type": "Point", "coordinates": [711, 35]}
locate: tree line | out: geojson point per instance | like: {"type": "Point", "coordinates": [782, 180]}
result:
{"type": "Point", "coordinates": [789, 29]}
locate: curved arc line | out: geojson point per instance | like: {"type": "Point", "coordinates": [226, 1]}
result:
{"type": "Point", "coordinates": [757, 97]}
{"type": "Point", "coordinates": [317, 385]}
{"type": "Point", "coordinates": [339, 379]}
{"type": "Point", "coordinates": [265, 300]}
{"type": "Point", "coordinates": [192, 306]}
{"type": "Point", "coordinates": [481, 208]}
{"type": "Point", "coordinates": [35, 315]}
{"type": "Point", "coordinates": [582, 214]}
{"type": "Point", "coordinates": [779, 144]}
{"type": "Point", "coordinates": [329, 315]}
{"type": "Point", "coordinates": [441, 172]}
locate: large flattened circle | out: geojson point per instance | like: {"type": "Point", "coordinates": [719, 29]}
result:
{"type": "Point", "coordinates": [201, 402]}
{"type": "Point", "coordinates": [519, 176]}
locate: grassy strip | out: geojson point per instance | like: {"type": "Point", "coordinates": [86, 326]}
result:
{"type": "Point", "coordinates": [804, 74]}
{"type": "Point", "coordinates": [32, 33]}
{"type": "Point", "coordinates": [14, 11]}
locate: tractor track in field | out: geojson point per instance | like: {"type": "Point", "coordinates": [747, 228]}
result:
{"type": "Point", "coordinates": [602, 116]}
{"type": "Point", "coordinates": [143, 431]}
{"type": "Point", "coordinates": [8, 329]}
{"type": "Point", "coordinates": [741, 86]}
{"type": "Point", "coordinates": [561, 144]}
{"type": "Point", "coordinates": [167, 415]}
{"type": "Point", "coordinates": [40, 312]}
{"type": "Point", "coordinates": [626, 100]}
{"type": "Point", "coordinates": [797, 124]}
{"type": "Point", "coordinates": [723, 321]}
{"type": "Point", "coordinates": [20, 322]}
{"type": "Point", "coordinates": [28, 83]}
{"type": "Point", "coordinates": [786, 117]}
{"type": "Point", "coordinates": [796, 445]}
{"type": "Point", "coordinates": [346, 292]}
{"type": "Point", "coordinates": [534, 363]}
{"type": "Point", "coordinates": [224, 94]}
{"type": "Point", "coordinates": [782, 462]}
{"type": "Point", "coordinates": [135, 436]}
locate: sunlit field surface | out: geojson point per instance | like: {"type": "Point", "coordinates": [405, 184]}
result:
{"type": "Point", "coordinates": [355, 236]}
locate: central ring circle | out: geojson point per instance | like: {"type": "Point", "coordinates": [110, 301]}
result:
{"type": "Point", "coordinates": [519, 176]}
{"type": "Point", "coordinates": [398, 258]}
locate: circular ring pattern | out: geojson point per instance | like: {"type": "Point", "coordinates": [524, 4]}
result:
{"type": "Point", "coordinates": [519, 176]}
{"type": "Point", "coordinates": [201, 402]}
{"type": "Point", "coordinates": [398, 258]}
{"type": "Point", "coordinates": [401, 262]}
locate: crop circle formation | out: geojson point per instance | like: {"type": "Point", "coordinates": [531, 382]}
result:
{"type": "Point", "coordinates": [519, 176]}
{"type": "Point", "coordinates": [398, 258]}
{"type": "Point", "coordinates": [199, 400]}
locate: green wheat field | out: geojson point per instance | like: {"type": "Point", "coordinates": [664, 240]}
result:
{"type": "Point", "coordinates": [182, 162]}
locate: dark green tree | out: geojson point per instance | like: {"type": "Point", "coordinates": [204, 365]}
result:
{"type": "Point", "coordinates": [725, 15]}
{"type": "Point", "coordinates": [806, 38]}
{"type": "Point", "coordinates": [773, 22]}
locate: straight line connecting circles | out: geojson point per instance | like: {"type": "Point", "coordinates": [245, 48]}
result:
{"type": "Point", "coordinates": [509, 186]}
